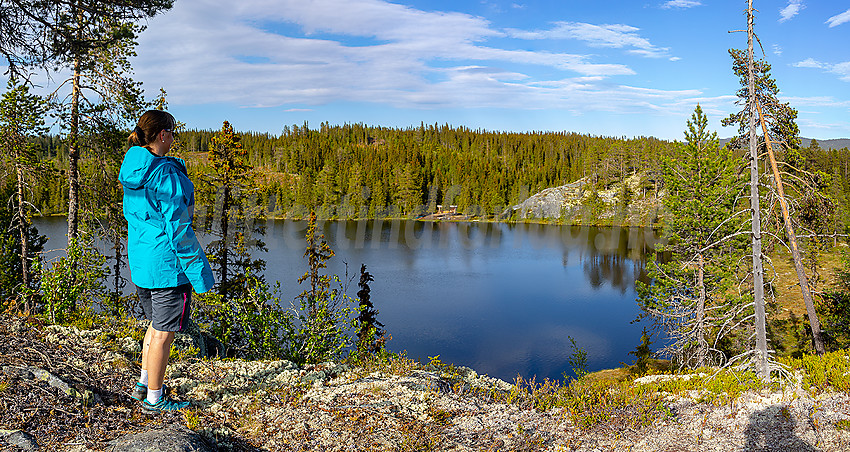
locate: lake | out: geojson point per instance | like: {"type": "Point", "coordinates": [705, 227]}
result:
{"type": "Point", "coordinates": [500, 298]}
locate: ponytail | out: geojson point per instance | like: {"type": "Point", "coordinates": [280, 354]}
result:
{"type": "Point", "coordinates": [137, 137]}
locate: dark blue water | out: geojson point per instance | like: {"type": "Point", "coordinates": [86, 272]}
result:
{"type": "Point", "coordinates": [502, 299]}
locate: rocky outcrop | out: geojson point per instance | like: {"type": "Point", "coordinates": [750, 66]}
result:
{"type": "Point", "coordinates": [554, 202]}
{"type": "Point", "coordinates": [393, 405]}
{"type": "Point", "coordinates": [169, 439]}
{"type": "Point", "coordinates": [19, 439]}
{"type": "Point", "coordinates": [579, 203]}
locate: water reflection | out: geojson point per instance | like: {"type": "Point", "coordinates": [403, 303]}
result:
{"type": "Point", "coordinates": [501, 298]}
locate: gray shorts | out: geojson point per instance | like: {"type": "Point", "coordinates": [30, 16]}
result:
{"type": "Point", "coordinates": [168, 309]}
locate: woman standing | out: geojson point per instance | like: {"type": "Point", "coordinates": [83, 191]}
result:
{"type": "Point", "coordinates": [166, 260]}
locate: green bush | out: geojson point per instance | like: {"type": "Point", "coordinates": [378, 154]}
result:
{"type": "Point", "coordinates": [252, 325]}
{"type": "Point", "coordinates": [834, 309]}
{"type": "Point", "coordinates": [73, 281]}
{"type": "Point", "coordinates": [820, 373]}
{"type": "Point", "coordinates": [320, 327]}
{"type": "Point", "coordinates": [592, 403]}
{"type": "Point", "coordinates": [316, 327]}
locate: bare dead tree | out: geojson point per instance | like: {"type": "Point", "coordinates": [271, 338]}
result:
{"type": "Point", "coordinates": [792, 242]}
{"type": "Point", "coordinates": [761, 357]}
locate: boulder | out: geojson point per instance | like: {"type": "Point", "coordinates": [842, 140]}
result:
{"type": "Point", "coordinates": [20, 439]}
{"type": "Point", "coordinates": [169, 439]}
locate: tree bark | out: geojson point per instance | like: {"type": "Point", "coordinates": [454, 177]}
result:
{"type": "Point", "coordinates": [758, 270]}
{"type": "Point", "coordinates": [225, 242]}
{"type": "Point", "coordinates": [701, 343]}
{"type": "Point", "coordinates": [74, 157]}
{"type": "Point", "coordinates": [23, 225]}
{"type": "Point", "coordinates": [817, 338]}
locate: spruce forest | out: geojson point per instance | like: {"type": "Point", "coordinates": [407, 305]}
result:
{"type": "Point", "coordinates": [361, 171]}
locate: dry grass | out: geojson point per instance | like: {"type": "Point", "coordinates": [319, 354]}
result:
{"type": "Point", "coordinates": [654, 366]}
{"type": "Point", "coordinates": [789, 299]}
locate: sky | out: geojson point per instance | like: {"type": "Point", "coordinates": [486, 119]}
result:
{"type": "Point", "coordinates": [610, 67]}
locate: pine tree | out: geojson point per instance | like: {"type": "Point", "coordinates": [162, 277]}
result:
{"type": "Point", "coordinates": [760, 92]}
{"type": "Point", "coordinates": [22, 117]}
{"type": "Point", "coordinates": [234, 219]}
{"type": "Point", "coordinates": [35, 33]}
{"type": "Point", "coordinates": [692, 292]}
{"type": "Point", "coordinates": [94, 40]}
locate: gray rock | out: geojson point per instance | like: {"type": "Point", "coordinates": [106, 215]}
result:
{"type": "Point", "coordinates": [72, 389]}
{"type": "Point", "coordinates": [22, 440]}
{"type": "Point", "coordinates": [169, 439]}
{"type": "Point", "coordinates": [549, 203]}
{"type": "Point", "coordinates": [204, 344]}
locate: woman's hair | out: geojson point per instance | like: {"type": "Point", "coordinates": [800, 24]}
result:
{"type": "Point", "coordinates": [150, 124]}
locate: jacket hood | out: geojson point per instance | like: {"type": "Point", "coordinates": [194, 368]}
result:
{"type": "Point", "coordinates": [140, 165]}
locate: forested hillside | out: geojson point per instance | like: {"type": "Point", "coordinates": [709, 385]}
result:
{"type": "Point", "coordinates": [360, 171]}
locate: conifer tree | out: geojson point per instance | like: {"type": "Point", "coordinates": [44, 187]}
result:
{"type": "Point", "coordinates": [370, 337]}
{"type": "Point", "coordinates": [36, 33]}
{"type": "Point", "coordinates": [22, 117]}
{"type": "Point", "coordinates": [94, 39]}
{"type": "Point", "coordinates": [759, 93]}
{"type": "Point", "coordinates": [234, 219]}
{"type": "Point", "coordinates": [692, 292]}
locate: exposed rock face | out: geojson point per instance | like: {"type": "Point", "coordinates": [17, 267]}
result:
{"type": "Point", "coordinates": [628, 202]}
{"type": "Point", "coordinates": [16, 438]}
{"type": "Point", "coordinates": [550, 203]}
{"type": "Point", "coordinates": [168, 439]}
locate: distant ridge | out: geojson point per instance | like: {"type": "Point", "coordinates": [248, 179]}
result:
{"type": "Point", "coordinates": [837, 143]}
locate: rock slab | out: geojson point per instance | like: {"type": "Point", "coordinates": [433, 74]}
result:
{"type": "Point", "coordinates": [21, 440]}
{"type": "Point", "coordinates": [168, 439]}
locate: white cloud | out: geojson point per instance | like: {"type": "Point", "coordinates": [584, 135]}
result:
{"type": "Point", "coordinates": [681, 4]}
{"type": "Point", "coordinates": [822, 127]}
{"type": "Point", "coordinates": [792, 9]}
{"type": "Point", "coordinates": [777, 50]}
{"type": "Point", "coordinates": [809, 62]}
{"type": "Point", "coordinates": [298, 55]}
{"type": "Point", "coordinates": [607, 35]}
{"type": "Point", "coordinates": [839, 19]}
{"type": "Point", "coordinates": [816, 101]}
{"type": "Point", "coordinates": [840, 69]}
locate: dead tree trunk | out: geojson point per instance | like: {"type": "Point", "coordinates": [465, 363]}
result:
{"type": "Point", "coordinates": [24, 227]}
{"type": "Point", "coordinates": [817, 339]}
{"type": "Point", "coordinates": [702, 345]}
{"type": "Point", "coordinates": [758, 269]}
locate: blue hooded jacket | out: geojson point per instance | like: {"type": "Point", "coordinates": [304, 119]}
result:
{"type": "Point", "coordinates": [159, 201]}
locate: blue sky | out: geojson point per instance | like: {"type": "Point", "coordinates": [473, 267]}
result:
{"type": "Point", "coordinates": [616, 68]}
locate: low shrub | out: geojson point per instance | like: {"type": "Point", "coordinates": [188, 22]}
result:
{"type": "Point", "coordinates": [822, 373]}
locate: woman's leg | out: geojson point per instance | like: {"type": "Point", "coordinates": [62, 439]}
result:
{"type": "Point", "coordinates": [146, 344]}
{"type": "Point", "coordinates": [157, 358]}
{"type": "Point", "coordinates": [170, 313]}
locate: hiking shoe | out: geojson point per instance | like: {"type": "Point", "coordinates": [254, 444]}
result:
{"type": "Point", "coordinates": [164, 404]}
{"type": "Point", "coordinates": [140, 391]}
